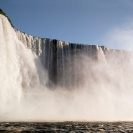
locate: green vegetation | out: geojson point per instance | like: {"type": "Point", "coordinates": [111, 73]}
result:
{"type": "Point", "coordinates": [1, 12]}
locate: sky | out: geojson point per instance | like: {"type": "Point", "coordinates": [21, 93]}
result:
{"type": "Point", "coordinates": [93, 22]}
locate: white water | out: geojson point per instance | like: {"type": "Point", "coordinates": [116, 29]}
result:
{"type": "Point", "coordinates": [20, 69]}
{"type": "Point", "coordinates": [104, 92]}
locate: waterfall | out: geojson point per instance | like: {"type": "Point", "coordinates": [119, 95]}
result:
{"type": "Point", "coordinates": [10, 77]}
{"type": "Point", "coordinates": [20, 68]}
{"type": "Point", "coordinates": [47, 79]}
{"type": "Point", "coordinates": [60, 58]}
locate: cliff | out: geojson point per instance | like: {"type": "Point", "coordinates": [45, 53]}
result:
{"type": "Point", "coordinates": [64, 61]}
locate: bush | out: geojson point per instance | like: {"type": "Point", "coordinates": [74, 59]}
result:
{"type": "Point", "coordinates": [1, 12]}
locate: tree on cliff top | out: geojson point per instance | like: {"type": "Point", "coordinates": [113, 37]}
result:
{"type": "Point", "coordinates": [1, 12]}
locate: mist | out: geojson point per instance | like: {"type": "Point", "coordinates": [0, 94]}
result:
{"type": "Point", "coordinates": [100, 91]}
{"type": "Point", "coordinates": [120, 37]}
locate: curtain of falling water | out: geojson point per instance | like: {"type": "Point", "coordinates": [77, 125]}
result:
{"type": "Point", "coordinates": [104, 75]}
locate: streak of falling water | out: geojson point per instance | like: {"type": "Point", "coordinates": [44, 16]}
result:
{"type": "Point", "coordinates": [63, 65]}
{"type": "Point", "coordinates": [9, 54]}
{"type": "Point", "coordinates": [75, 65]}
{"type": "Point", "coordinates": [18, 68]}
{"type": "Point", "coordinates": [70, 66]}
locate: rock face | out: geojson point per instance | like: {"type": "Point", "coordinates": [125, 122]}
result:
{"type": "Point", "coordinates": [58, 57]}
{"type": "Point", "coordinates": [65, 62]}
{"type": "Point", "coordinates": [68, 63]}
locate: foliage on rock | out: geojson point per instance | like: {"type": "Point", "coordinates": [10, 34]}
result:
{"type": "Point", "coordinates": [1, 12]}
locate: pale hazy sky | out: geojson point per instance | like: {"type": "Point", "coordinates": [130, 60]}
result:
{"type": "Point", "coordinates": [99, 22]}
